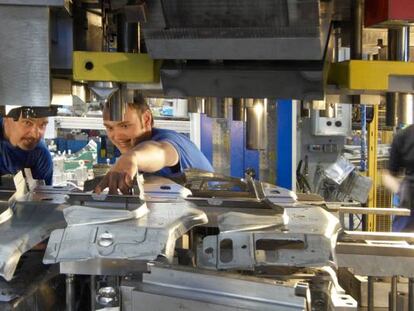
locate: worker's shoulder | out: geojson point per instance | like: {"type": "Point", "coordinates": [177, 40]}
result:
{"type": "Point", "coordinates": [410, 129]}
{"type": "Point", "coordinates": [404, 135]}
{"type": "Point", "coordinates": [163, 134]}
{"type": "Point", "coordinates": [41, 150]}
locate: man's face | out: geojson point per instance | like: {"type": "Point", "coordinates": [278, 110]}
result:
{"type": "Point", "coordinates": [128, 133]}
{"type": "Point", "coordinates": [26, 133]}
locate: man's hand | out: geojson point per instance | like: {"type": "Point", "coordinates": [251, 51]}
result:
{"type": "Point", "coordinates": [390, 181]}
{"type": "Point", "coordinates": [121, 175]}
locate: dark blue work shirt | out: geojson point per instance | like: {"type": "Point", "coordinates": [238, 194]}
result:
{"type": "Point", "coordinates": [14, 159]}
{"type": "Point", "coordinates": [402, 159]}
{"type": "Point", "coordinates": [189, 155]}
{"type": "Point", "coordinates": [405, 200]}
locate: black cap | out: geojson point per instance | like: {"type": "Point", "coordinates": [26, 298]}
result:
{"type": "Point", "coordinates": [32, 112]}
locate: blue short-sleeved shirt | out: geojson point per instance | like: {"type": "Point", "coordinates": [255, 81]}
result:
{"type": "Point", "coordinates": [190, 156]}
{"type": "Point", "coordinates": [14, 159]}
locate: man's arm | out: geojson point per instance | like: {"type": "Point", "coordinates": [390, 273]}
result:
{"type": "Point", "coordinates": [389, 177]}
{"type": "Point", "coordinates": [42, 165]}
{"type": "Point", "coordinates": [390, 181]}
{"type": "Point", "coordinates": [149, 156]}
{"type": "Point", "coordinates": [155, 155]}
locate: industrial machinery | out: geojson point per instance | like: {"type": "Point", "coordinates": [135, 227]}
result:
{"type": "Point", "coordinates": [199, 241]}
{"type": "Point", "coordinates": [128, 246]}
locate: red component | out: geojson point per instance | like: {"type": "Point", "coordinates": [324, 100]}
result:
{"type": "Point", "coordinates": [384, 13]}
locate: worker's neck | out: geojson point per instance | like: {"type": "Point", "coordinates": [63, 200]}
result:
{"type": "Point", "coordinates": [147, 135]}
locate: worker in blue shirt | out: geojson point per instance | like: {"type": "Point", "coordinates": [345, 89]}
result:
{"type": "Point", "coordinates": [22, 146]}
{"type": "Point", "coordinates": [401, 163]}
{"type": "Point", "coordinates": [149, 149]}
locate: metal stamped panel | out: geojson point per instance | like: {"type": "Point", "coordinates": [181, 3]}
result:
{"type": "Point", "coordinates": [306, 241]}
{"type": "Point", "coordinates": [123, 246]}
{"type": "Point", "coordinates": [31, 223]}
{"type": "Point", "coordinates": [24, 61]}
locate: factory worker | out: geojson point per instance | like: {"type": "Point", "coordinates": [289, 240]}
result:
{"type": "Point", "coordinates": [22, 145]}
{"type": "Point", "coordinates": [149, 149]}
{"type": "Point", "coordinates": [402, 160]}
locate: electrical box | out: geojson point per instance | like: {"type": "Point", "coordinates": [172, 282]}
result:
{"type": "Point", "coordinates": [336, 120]}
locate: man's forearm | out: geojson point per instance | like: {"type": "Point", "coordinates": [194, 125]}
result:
{"type": "Point", "coordinates": [391, 182]}
{"type": "Point", "coordinates": [153, 156]}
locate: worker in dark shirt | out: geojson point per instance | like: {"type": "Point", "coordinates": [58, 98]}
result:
{"type": "Point", "coordinates": [147, 149]}
{"type": "Point", "coordinates": [402, 163]}
{"type": "Point", "coordinates": [22, 146]}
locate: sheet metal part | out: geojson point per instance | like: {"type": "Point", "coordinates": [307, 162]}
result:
{"type": "Point", "coordinates": [40, 211]}
{"type": "Point", "coordinates": [123, 247]}
{"type": "Point", "coordinates": [35, 214]}
{"type": "Point", "coordinates": [76, 215]}
{"type": "Point", "coordinates": [219, 188]}
{"type": "Point", "coordinates": [131, 242]}
{"type": "Point", "coordinates": [216, 194]}
{"type": "Point", "coordinates": [308, 239]}
{"type": "Point", "coordinates": [154, 188]}
{"type": "Point", "coordinates": [5, 212]}
{"type": "Point", "coordinates": [241, 222]}
{"type": "Point", "coordinates": [368, 211]}
{"type": "Point", "coordinates": [105, 201]}
{"type": "Point", "coordinates": [204, 290]}
{"type": "Point", "coordinates": [341, 301]}
{"type": "Point", "coordinates": [31, 223]}
{"type": "Point", "coordinates": [165, 191]}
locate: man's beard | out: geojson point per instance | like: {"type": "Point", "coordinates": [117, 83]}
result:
{"type": "Point", "coordinates": [28, 143]}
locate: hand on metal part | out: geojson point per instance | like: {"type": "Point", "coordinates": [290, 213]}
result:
{"type": "Point", "coordinates": [121, 175]}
